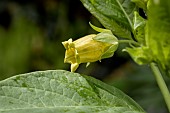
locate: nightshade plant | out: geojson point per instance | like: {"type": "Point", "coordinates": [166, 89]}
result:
{"type": "Point", "coordinates": [148, 38]}
{"type": "Point", "coordinates": [59, 91]}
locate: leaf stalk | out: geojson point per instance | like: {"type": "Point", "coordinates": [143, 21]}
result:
{"type": "Point", "coordinates": [129, 41]}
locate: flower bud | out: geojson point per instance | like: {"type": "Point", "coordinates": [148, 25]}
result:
{"type": "Point", "coordinates": [87, 49]}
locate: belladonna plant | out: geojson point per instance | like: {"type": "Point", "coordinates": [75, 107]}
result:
{"type": "Point", "coordinates": [60, 91]}
{"type": "Point", "coordinates": [148, 37]}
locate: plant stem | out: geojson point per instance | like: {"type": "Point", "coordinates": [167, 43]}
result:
{"type": "Point", "coordinates": [129, 41]}
{"type": "Point", "coordinates": [161, 84]}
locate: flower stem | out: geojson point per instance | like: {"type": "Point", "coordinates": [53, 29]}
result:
{"type": "Point", "coordinates": [129, 41]}
{"type": "Point", "coordinates": [161, 84]}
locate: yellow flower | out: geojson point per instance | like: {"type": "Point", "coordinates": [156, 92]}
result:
{"type": "Point", "coordinates": [89, 48]}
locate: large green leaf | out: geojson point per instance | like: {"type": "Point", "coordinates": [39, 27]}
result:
{"type": "Point", "coordinates": [116, 15]}
{"type": "Point", "coordinates": [61, 91]}
{"type": "Point", "coordinates": [158, 37]}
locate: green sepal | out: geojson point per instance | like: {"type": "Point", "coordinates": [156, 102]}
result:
{"type": "Point", "coordinates": [110, 52]}
{"type": "Point", "coordinates": [98, 29]}
{"type": "Point", "coordinates": [106, 37]}
{"type": "Point", "coordinates": [109, 38]}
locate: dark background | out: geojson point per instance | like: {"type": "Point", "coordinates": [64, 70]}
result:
{"type": "Point", "coordinates": [31, 32]}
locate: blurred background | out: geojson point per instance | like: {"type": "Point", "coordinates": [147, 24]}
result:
{"type": "Point", "coordinates": [31, 32]}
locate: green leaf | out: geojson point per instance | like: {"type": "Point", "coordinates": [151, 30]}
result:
{"type": "Point", "coordinates": [140, 54]}
{"type": "Point", "coordinates": [58, 91]}
{"type": "Point", "coordinates": [158, 36]}
{"type": "Point", "coordinates": [141, 3]}
{"type": "Point", "coordinates": [139, 28]}
{"type": "Point", "coordinates": [116, 15]}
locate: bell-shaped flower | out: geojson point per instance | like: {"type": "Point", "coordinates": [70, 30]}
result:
{"type": "Point", "coordinates": [90, 48]}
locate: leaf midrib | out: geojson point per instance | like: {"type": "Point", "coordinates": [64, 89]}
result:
{"type": "Point", "coordinates": [126, 15]}
{"type": "Point", "coordinates": [35, 89]}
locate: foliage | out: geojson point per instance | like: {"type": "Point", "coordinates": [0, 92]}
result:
{"type": "Point", "coordinates": [62, 91]}
{"type": "Point", "coordinates": [158, 37]}
{"type": "Point", "coordinates": [144, 31]}
{"type": "Point", "coordinates": [116, 15]}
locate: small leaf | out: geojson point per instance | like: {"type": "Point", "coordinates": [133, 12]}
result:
{"type": "Point", "coordinates": [62, 92]}
{"type": "Point", "coordinates": [139, 28]}
{"type": "Point", "coordinates": [138, 21]}
{"type": "Point", "coordinates": [141, 3]}
{"type": "Point", "coordinates": [141, 55]}
{"type": "Point", "coordinates": [116, 15]}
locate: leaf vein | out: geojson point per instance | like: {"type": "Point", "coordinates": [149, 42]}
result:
{"type": "Point", "coordinates": [44, 92]}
